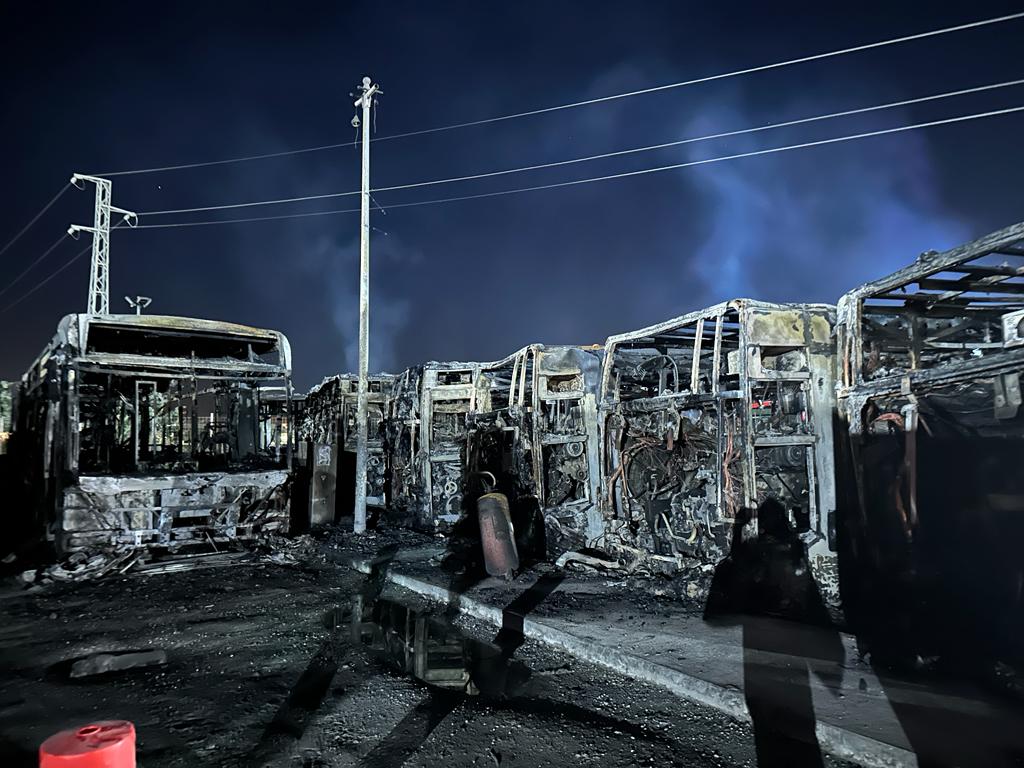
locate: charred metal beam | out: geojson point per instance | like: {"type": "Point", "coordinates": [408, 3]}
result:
{"type": "Point", "coordinates": [972, 286]}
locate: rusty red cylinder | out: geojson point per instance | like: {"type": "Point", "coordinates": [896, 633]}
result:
{"type": "Point", "coordinates": [496, 535]}
{"type": "Point", "coordinates": [106, 744]}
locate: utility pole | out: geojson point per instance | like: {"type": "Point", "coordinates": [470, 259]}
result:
{"type": "Point", "coordinates": [362, 438]}
{"type": "Point", "coordinates": [99, 270]}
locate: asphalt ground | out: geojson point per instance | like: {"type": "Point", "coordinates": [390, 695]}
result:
{"type": "Point", "coordinates": [261, 670]}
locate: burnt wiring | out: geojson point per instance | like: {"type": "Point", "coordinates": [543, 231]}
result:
{"type": "Point", "coordinates": [728, 458]}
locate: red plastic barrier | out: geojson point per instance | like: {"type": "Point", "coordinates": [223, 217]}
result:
{"type": "Point", "coordinates": [106, 744]}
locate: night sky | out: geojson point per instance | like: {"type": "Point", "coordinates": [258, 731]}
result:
{"type": "Point", "coordinates": [94, 88]}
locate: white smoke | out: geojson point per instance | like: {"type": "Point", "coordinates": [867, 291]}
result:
{"type": "Point", "coordinates": [811, 224]}
{"type": "Point", "coordinates": [336, 266]}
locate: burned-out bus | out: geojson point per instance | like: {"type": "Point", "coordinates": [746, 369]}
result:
{"type": "Point", "coordinates": [710, 413]}
{"type": "Point", "coordinates": [426, 435]}
{"type": "Point", "coordinates": [524, 425]}
{"type": "Point", "coordinates": [330, 427]}
{"type": "Point", "coordinates": [931, 360]}
{"type": "Point", "coordinates": [647, 448]}
{"type": "Point", "coordinates": [153, 431]}
{"type": "Point", "coordinates": [536, 435]}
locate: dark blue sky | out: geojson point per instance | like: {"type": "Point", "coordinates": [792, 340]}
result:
{"type": "Point", "coordinates": [98, 88]}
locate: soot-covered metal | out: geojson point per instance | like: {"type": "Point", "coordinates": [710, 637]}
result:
{"type": "Point", "coordinates": [155, 431]}
{"type": "Point", "coordinates": [931, 360]}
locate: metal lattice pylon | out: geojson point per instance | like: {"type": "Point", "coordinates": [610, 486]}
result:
{"type": "Point", "coordinates": [99, 270]}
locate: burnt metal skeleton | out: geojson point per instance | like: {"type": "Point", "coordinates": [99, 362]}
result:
{"type": "Point", "coordinates": [156, 431]}
{"type": "Point", "coordinates": [539, 440]}
{"type": "Point", "coordinates": [931, 360]}
{"type": "Point", "coordinates": [645, 448]}
{"type": "Point", "coordinates": [329, 426]}
{"type": "Point", "coordinates": [426, 434]}
{"type": "Point", "coordinates": [712, 413]}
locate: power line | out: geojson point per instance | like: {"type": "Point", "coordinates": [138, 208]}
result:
{"type": "Point", "coordinates": [706, 161]}
{"type": "Point", "coordinates": [674, 166]}
{"type": "Point", "coordinates": [35, 218]}
{"type": "Point", "coordinates": [263, 218]}
{"type": "Point", "coordinates": [265, 156]}
{"type": "Point", "coordinates": [602, 156]}
{"type": "Point", "coordinates": [53, 274]}
{"type": "Point", "coordinates": [711, 78]}
{"type": "Point", "coordinates": [47, 279]}
{"type": "Point", "coordinates": [28, 269]}
{"type": "Point", "coordinates": [599, 100]}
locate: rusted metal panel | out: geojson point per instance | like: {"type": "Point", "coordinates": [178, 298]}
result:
{"type": "Point", "coordinates": [324, 480]}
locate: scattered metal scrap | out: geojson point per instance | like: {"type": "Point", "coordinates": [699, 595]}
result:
{"type": "Point", "coordinates": [80, 566]}
{"type": "Point", "coordinates": [570, 558]}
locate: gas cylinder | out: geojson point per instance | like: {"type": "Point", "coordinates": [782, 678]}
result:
{"type": "Point", "coordinates": [496, 535]}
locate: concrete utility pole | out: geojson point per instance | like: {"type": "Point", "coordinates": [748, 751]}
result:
{"type": "Point", "coordinates": [362, 438]}
{"type": "Point", "coordinates": [99, 271]}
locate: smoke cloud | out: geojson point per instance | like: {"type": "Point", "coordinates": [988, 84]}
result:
{"type": "Point", "coordinates": [811, 224]}
{"type": "Point", "coordinates": [338, 269]}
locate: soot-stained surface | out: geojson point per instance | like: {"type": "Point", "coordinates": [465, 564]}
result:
{"type": "Point", "coordinates": [263, 668]}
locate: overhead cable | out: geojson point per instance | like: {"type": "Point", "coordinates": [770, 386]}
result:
{"type": "Point", "coordinates": [35, 218]}
{"type": "Point", "coordinates": [54, 273]}
{"type": "Point", "coordinates": [627, 174]}
{"type": "Point", "coordinates": [587, 102]}
{"type": "Point", "coordinates": [602, 156]}
{"type": "Point", "coordinates": [47, 279]}
{"type": "Point", "coordinates": [28, 269]}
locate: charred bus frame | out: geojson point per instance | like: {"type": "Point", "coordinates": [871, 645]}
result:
{"type": "Point", "coordinates": [329, 426]}
{"type": "Point", "coordinates": [527, 421]}
{"type": "Point", "coordinates": [427, 429]}
{"type": "Point", "coordinates": [147, 431]}
{"type": "Point", "coordinates": [711, 412]}
{"type": "Point", "coordinates": [931, 361]}
{"type": "Point", "coordinates": [538, 439]}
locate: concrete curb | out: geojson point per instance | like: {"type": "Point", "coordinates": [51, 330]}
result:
{"type": "Point", "coordinates": [839, 742]}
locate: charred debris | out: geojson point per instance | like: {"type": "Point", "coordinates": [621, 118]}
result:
{"type": "Point", "coordinates": [889, 427]}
